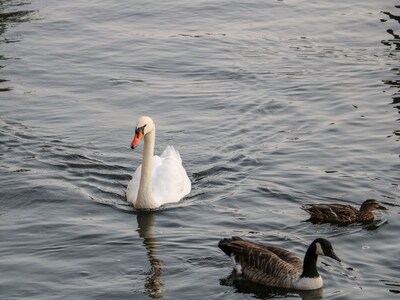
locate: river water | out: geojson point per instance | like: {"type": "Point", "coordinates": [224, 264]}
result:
{"type": "Point", "coordinates": [271, 104]}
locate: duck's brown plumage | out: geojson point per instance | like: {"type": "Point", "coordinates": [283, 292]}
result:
{"type": "Point", "coordinates": [342, 214]}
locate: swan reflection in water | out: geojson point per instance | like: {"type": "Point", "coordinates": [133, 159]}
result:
{"type": "Point", "coordinates": [263, 292]}
{"type": "Point", "coordinates": [154, 285]}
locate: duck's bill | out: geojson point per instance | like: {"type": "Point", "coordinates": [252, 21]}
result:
{"type": "Point", "coordinates": [380, 207]}
{"type": "Point", "coordinates": [136, 140]}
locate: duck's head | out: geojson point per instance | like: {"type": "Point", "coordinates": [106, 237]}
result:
{"type": "Point", "coordinates": [324, 248]}
{"type": "Point", "coordinates": [143, 126]}
{"type": "Point", "coordinates": [371, 205]}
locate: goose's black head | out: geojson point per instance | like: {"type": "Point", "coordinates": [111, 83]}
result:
{"type": "Point", "coordinates": [324, 247]}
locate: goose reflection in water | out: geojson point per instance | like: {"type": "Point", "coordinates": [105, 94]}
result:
{"type": "Point", "coordinates": [154, 285]}
{"type": "Point", "coordinates": [263, 292]}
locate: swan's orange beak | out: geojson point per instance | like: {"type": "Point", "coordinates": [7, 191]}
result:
{"type": "Point", "coordinates": [136, 140]}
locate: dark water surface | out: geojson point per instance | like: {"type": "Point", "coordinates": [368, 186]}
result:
{"type": "Point", "coordinates": [271, 104]}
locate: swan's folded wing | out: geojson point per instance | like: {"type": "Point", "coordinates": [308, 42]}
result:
{"type": "Point", "coordinates": [169, 152]}
{"type": "Point", "coordinates": [170, 181]}
{"type": "Point", "coordinates": [133, 186]}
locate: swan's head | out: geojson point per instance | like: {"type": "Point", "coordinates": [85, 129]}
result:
{"type": "Point", "coordinates": [143, 126]}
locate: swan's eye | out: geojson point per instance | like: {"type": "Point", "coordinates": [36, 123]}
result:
{"type": "Point", "coordinates": [140, 130]}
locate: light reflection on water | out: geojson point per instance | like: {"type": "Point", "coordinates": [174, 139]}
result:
{"type": "Point", "coordinates": [11, 14]}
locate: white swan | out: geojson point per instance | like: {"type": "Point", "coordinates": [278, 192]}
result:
{"type": "Point", "coordinates": [159, 179]}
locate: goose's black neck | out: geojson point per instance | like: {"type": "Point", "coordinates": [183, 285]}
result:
{"type": "Point", "coordinates": [310, 263]}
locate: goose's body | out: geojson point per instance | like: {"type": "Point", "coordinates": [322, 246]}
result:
{"type": "Point", "coordinates": [342, 214]}
{"type": "Point", "coordinates": [159, 179]}
{"type": "Point", "coordinates": [277, 267]}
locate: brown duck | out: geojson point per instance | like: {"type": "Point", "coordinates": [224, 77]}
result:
{"type": "Point", "coordinates": [342, 214]}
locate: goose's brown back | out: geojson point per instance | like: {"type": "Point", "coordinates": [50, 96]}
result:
{"type": "Point", "coordinates": [267, 265]}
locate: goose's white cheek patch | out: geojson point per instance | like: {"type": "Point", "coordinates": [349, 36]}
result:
{"type": "Point", "coordinates": [319, 250]}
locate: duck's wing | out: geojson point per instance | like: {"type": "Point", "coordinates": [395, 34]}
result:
{"type": "Point", "coordinates": [267, 265]}
{"type": "Point", "coordinates": [331, 212]}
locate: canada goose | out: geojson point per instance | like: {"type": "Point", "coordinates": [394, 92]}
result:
{"type": "Point", "coordinates": [275, 266]}
{"type": "Point", "coordinates": [342, 214]}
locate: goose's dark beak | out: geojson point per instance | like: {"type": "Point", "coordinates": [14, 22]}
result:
{"type": "Point", "coordinates": [334, 256]}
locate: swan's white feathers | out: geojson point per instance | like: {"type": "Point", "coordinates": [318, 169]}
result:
{"type": "Point", "coordinates": [133, 186]}
{"type": "Point", "coordinates": [170, 181]}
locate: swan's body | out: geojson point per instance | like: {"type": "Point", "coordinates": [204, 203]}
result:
{"type": "Point", "coordinates": [277, 267]}
{"type": "Point", "coordinates": [159, 179]}
{"type": "Point", "coordinates": [342, 214]}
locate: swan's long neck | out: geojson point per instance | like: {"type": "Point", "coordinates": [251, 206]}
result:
{"type": "Point", "coordinates": [145, 194]}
